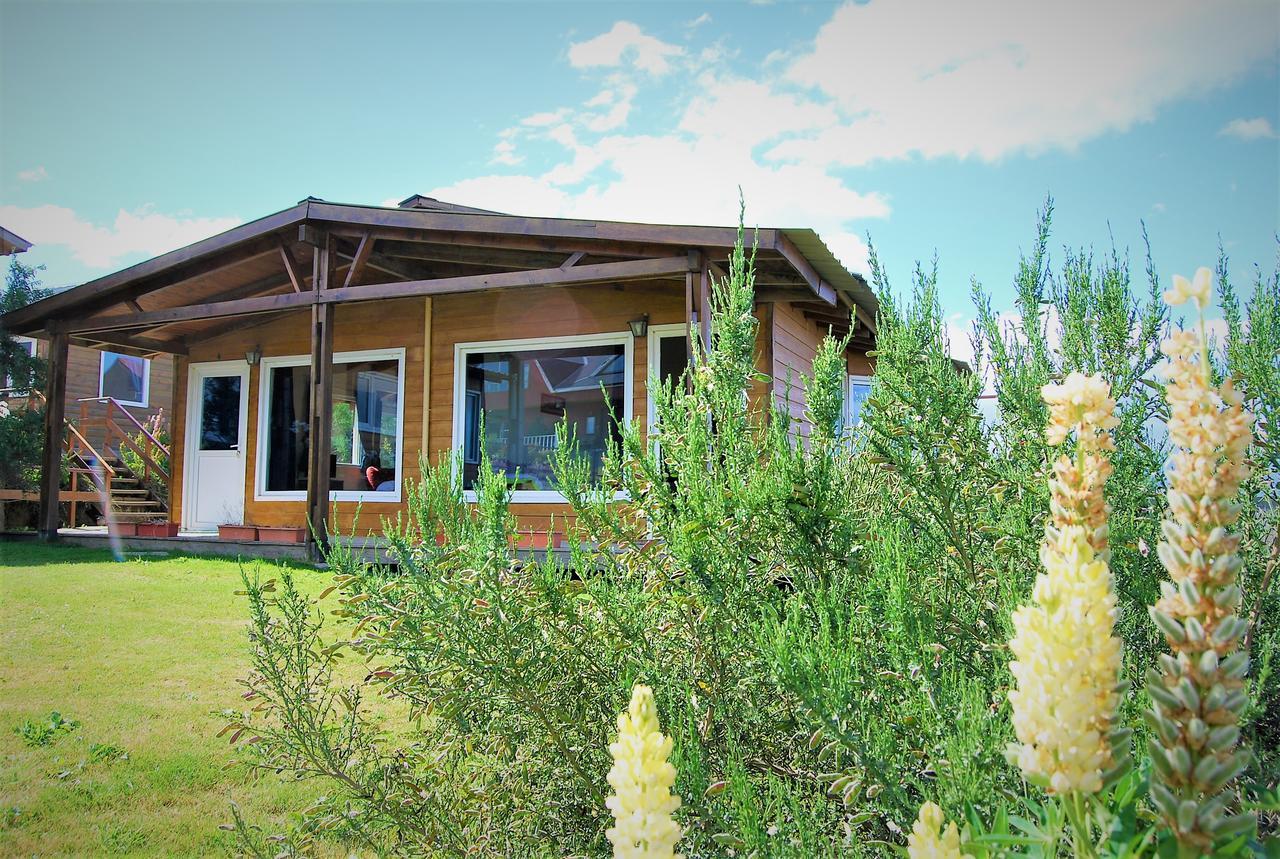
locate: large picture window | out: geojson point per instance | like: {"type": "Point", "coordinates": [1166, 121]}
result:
{"type": "Point", "coordinates": [126, 378]}
{"type": "Point", "coordinates": [366, 426]}
{"type": "Point", "coordinates": [510, 397]}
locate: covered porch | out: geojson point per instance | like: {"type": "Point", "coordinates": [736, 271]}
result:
{"type": "Point", "coordinates": [381, 311]}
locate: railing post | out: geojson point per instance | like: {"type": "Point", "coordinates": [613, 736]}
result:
{"type": "Point", "coordinates": [54, 414]}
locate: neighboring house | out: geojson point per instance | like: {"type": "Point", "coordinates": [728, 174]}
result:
{"type": "Point", "coordinates": [143, 385]}
{"type": "Point", "coordinates": [378, 334]}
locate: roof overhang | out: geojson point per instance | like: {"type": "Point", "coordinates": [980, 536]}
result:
{"type": "Point", "coordinates": [12, 243]}
{"type": "Point", "coordinates": [254, 268]}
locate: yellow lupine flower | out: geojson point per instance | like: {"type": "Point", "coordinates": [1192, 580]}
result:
{"type": "Point", "coordinates": [641, 779]}
{"type": "Point", "coordinates": [1066, 658]}
{"type": "Point", "coordinates": [928, 838]}
{"type": "Point", "coordinates": [1066, 664]}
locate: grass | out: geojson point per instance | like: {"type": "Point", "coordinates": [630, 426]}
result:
{"type": "Point", "coordinates": [141, 654]}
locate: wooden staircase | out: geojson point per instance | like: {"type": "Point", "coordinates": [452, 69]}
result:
{"type": "Point", "coordinates": [131, 501]}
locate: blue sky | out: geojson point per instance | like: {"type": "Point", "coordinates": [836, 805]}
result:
{"type": "Point", "coordinates": [132, 128]}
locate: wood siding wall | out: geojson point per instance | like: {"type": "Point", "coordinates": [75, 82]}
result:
{"type": "Point", "coordinates": [786, 342]}
{"type": "Point", "coordinates": [84, 368]}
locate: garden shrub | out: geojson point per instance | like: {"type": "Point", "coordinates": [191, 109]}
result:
{"type": "Point", "coordinates": [822, 623]}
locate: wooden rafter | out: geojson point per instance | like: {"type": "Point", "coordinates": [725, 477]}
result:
{"type": "Point", "coordinates": [290, 266]}
{"type": "Point", "coordinates": [360, 260]}
{"type": "Point", "coordinates": [141, 346]}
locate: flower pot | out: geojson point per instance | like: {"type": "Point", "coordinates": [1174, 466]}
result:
{"type": "Point", "coordinates": [238, 533]}
{"type": "Point", "coordinates": [158, 529]}
{"type": "Point", "coordinates": [126, 529]}
{"type": "Point", "coordinates": [278, 534]}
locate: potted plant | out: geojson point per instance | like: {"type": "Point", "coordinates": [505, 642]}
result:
{"type": "Point", "coordinates": [237, 533]}
{"type": "Point", "coordinates": [158, 528]}
{"type": "Point", "coordinates": [125, 529]}
{"type": "Point", "coordinates": [281, 534]}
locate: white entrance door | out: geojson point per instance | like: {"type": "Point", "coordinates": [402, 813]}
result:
{"type": "Point", "coordinates": [217, 417]}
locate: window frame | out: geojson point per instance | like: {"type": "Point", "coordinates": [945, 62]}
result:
{"type": "Point", "coordinates": [146, 379]}
{"type": "Point", "coordinates": [261, 493]}
{"type": "Point", "coordinates": [532, 344]}
{"type": "Point", "coordinates": [851, 380]}
{"type": "Point", "coordinates": [6, 381]}
{"type": "Point", "coordinates": [657, 333]}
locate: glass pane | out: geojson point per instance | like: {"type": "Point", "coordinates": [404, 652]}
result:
{"type": "Point", "coordinates": [859, 391]}
{"type": "Point", "coordinates": [124, 377]}
{"type": "Point", "coordinates": [288, 428]}
{"type": "Point", "coordinates": [366, 410]}
{"type": "Point", "coordinates": [220, 413]}
{"type": "Point", "coordinates": [673, 358]}
{"type": "Point", "coordinates": [524, 395]}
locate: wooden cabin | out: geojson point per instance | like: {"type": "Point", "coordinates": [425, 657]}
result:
{"type": "Point", "coordinates": [320, 350]}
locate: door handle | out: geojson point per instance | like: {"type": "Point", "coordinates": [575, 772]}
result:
{"type": "Point", "coordinates": [234, 447]}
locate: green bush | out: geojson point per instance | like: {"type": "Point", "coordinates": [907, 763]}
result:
{"type": "Point", "coordinates": [824, 624]}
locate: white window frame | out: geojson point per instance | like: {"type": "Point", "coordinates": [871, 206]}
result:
{"type": "Point", "coordinates": [853, 379]}
{"type": "Point", "coordinates": [656, 334]}
{"type": "Point", "coordinates": [6, 381]}
{"type": "Point", "coordinates": [261, 493]}
{"type": "Point", "coordinates": [532, 344]}
{"type": "Point", "coordinates": [146, 379]}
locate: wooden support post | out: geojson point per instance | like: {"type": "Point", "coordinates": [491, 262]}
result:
{"type": "Point", "coordinates": [51, 473]}
{"type": "Point", "coordinates": [704, 302]}
{"type": "Point", "coordinates": [318, 470]}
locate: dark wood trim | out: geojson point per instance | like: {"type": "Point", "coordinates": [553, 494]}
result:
{"type": "Point", "coordinates": [360, 260]}
{"type": "Point", "coordinates": [290, 266]}
{"type": "Point", "coordinates": [770, 333]}
{"type": "Point", "coordinates": [791, 253]}
{"type": "Point", "coordinates": [704, 301]}
{"type": "Point", "coordinates": [645, 269]}
{"type": "Point", "coordinates": [319, 471]}
{"type": "Point", "coordinates": [143, 347]}
{"type": "Point", "coordinates": [55, 394]}
{"type": "Point", "coordinates": [574, 259]}
{"type": "Point", "coordinates": [212, 310]}
{"type": "Point", "coordinates": [134, 306]}
{"type": "Point", "coordinates": [661, 234]}
{"type": "Point", "coordinates": [504, 242]}
{"type": "Point", "coordinates": [24, 318]}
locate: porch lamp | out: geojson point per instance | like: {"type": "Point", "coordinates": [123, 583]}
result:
{"type": "Point", "coordinates": [639, 327]}
{"type": "Point", "coordinates": [253, 356]}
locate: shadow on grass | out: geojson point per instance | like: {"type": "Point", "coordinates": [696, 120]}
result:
{"type": "Point", "coordinates": [30, 554]}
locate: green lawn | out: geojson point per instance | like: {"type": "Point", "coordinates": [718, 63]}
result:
{"type": "Point", "coordinates": [142, 654]}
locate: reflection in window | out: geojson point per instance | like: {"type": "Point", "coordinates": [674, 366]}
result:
{"type": "Point", "coordinates": [288, 428]}
{"type": "Point", "coordinates": [124, 377]}
{"type": "Point", "coordinates": [220, 413]}
{"type": "Point", "coordinates": [364, 426]}
{"type": "Point", "coordinates": [857, 393]}
{"type": "Point", "coordinates": [523, 395]}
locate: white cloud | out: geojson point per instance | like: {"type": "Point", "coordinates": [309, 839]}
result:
{"type": "Point", "coordinates": [991, 78]}
{"type": "Point", "coordinates": [1159, 208]}
{"type": "Point", "coordinates": [1258, 128]}
{"type": "Point", "coordinates": [625, 42]}
{"type": "Point", "coordinates": [704, 18]}
{"type": "Point", "coordinates": [142, 232]}
{"type": "Point", "coordinates": [504, 152]}
{"type": "Point", "coordinates": [35, 174]}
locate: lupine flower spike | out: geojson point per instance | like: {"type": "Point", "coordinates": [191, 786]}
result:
{"type": "Point", "coordinates": [641, 779]}
{"type": "Point", "coordinates": [1198, 691]}
{"type": "Point", "coordinates": [930, 840]}
{"type": "Point", "coordinates": [1066, 658]}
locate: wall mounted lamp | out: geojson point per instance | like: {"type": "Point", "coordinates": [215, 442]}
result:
{"type": "Point", "coordinates": [639, 327]}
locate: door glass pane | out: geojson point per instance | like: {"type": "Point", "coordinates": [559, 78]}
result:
{"type": "Point", "coordinates": [220, 413]}
{"type": "Point", "coordinates": [523, 396]}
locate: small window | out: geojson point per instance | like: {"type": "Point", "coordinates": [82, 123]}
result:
{"type": "Point", "coordinates": [856, 393]}
{"type": "Point", "coordinates": [125, 378]}
{"type": "Point", "coordinates": [24, 344]}
{"type": "Point", "coordinates": [668, 361]}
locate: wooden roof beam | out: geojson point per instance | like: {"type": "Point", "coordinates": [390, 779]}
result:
{"type": "Point", "coordinates": [788, 249]}
{"type": "Point", "coordinates": [143, 347]}
{"type": "Point", "coordinates": [645, 269]}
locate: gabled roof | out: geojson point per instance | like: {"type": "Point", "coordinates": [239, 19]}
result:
{"type": "Point", "coordinates": [441, 247]}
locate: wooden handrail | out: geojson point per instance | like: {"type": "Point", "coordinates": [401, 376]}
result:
{"type": "Point", "coordinates": [112, 401]}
